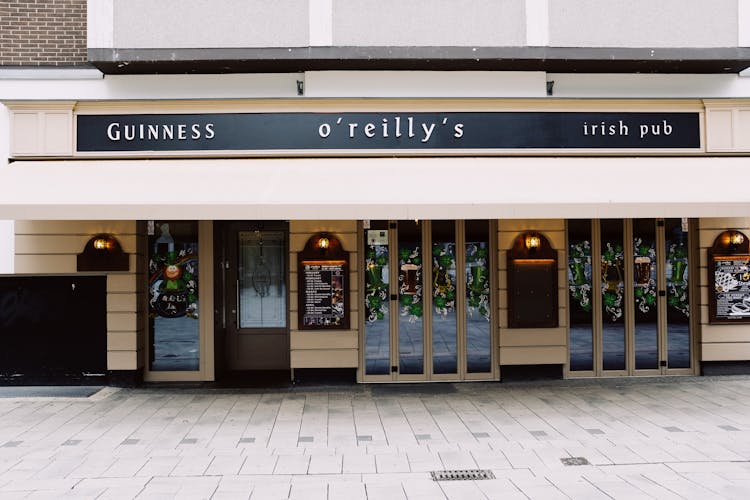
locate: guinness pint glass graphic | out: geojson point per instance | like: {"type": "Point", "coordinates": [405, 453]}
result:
{"type": "Point", "coordinates": [409, 279]}
{"type": "Point", "coordinates": [642, 270]}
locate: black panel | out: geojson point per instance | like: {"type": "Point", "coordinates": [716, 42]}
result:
{"type": "Point", "coordinates": [123, 60]}
{"type": "Point", "coordinates": [376, 131]}
{"type": "Point", "coordinates": [53, 327]}
{"type": "Point", "coordinates": [511, 373]}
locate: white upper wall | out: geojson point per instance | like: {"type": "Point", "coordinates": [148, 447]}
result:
{"type": "Point", "coordinates": [643, 23]}
{"type": "Point", "coordinates": [429, 22]}
{"type": "Point", "coordinates": [201, 24]}
{"type": "Point", "coordinates": [210, 23]}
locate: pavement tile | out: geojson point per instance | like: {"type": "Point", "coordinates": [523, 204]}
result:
{"type": "Point", "coordinates": [192, 466]}
{"type": "Point", "coordinates": [325, 464]}
{"type": "Point", "coordinates": [457, 460]}
{"type": "Point", "coordinates": [309, 491]}
{"type": "Point", "coordinates": [356, 463]}
{"type": "Point", "coordinates": [346, 490]}
{"type": "Point", "coordinates": [391, 463]}
{"type": "Point", "coordinates": [125, 467]}
{"type": "Point", "coordinates": [501, 488]}
{"type": "Point", "coordinates": [258, 465]}
{"type": "Point", "coordinates": [689, 490]}
{"type": "Point", "coordinates": [461, 490]}
{"type": "Point", "coordinates": [271, 491]}
{"type": "Point", "coordinates": [379, 491]}
{"type": "Point", "coordinates": [620, 488]}
{"type": "Point", "coordinates": [292, 464]}
{"type": "Point", "coordinates": [158, 466]}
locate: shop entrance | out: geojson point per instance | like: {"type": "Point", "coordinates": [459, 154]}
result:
{"type": "Point", "coordinates": [630, 297]}
{"type": "Point", "coordinates": [428, 306]}
{"type": "Point", "coordinates": [256, 296]}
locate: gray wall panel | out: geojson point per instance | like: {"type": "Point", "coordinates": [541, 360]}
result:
{"type": "Point", "coordinates": [429, 22]}
{"type": "Point", "coordinates": [211, 23]}
{"type": "Point", "coordinates": [643, 23]}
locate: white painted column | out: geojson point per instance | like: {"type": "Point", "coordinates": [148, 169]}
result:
{"type": "Point", "coordinates": [743, 23]}
{"type": "Point", "coordinates": [6, 226]}
{"type": "Point", "coordinates": [321, 23]}
{"type": "Point", "coordinates": [537, 23]}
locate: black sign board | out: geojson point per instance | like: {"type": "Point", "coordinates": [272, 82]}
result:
{"type": "Point", "coordinates": [731, 288]}
{"type": "Point", "coordinates": [532, 284]}
{"type": "Point", "coordinates": [341, 132]}
{"type": "Point", "coordinates": [323, 285]}
{"type": "Point", "coordinates": [324, 299]}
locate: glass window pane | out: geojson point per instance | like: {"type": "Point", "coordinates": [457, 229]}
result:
{"type": "Point", "coordinates": [612, 290]}
{"type": "Point", "coordinates": [678, 298]}
{"type": "Point", "coordinates": [580, 298]}
{"type": "Point", "coordinates": [377, 304]}
{"type": "Point", "coordinates": [262, 283]}
{"type": "Point", "coordinates": [644, 294]}
{"type": "Point", "coordinates": [173, 296]}
{"type": "Point", "coordinates": [444, 333]}
{"type": "Point", "coordinates": [410, 319]}
{"type": "Point", "coordinates": [478, 340]}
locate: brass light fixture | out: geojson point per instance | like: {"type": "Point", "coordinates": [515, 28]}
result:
{"type": "Point", "coordinates": [324, 242]}
{"type": "Point", "coordinates": [736, 238]}
{"type": "Point", "coordinates": [533, 242]}
{"type": "Point", "coordinates": [103, 242]}
{"type": "Point", "coordinates": [103, 253]}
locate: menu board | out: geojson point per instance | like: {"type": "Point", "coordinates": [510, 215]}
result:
{"type": "Point", "coordinates": [323, 295]}
{"type": "Point", "coordinates": [731, 290]}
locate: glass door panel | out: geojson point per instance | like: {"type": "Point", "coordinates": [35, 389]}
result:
{"type": "Point", "coordinates": [410, 292]}
{"type": "Point", "coordinates": [261, 281]}
{"type": "Point", "coordinates": [645, 268]}
{"type": "Point", "coordinates": [377, 304]}
{"type": "Point", "coordinates": [173, 297]}
{"type": "Point", "coordinates": [580, 301]}
{"type": "Point", "coordinates": [444, 332]}
{"type": "Point", "coordinates": [478, 305]}
{"type": "Point", "coordinates": [612, 295]}
{"type": "Point", "coordinates": [678, 295]}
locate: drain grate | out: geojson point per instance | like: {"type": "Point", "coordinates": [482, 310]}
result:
{"type": "Point", "coordinates": [574, 461]}
{"type": "Point", "coordinates": [462, 475]}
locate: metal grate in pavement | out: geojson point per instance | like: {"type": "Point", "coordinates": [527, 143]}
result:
{"type": "Point", "coordinates": [461, 475]}
{"type": "Point", "coordinates": [574, 461]}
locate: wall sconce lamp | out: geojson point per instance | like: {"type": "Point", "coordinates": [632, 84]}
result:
{"type": "Point", "coordinates": [323, 242]}
{"type": "Point", "coordinates": [736, 238]}
{"type": "Point", "coordinates": [103, 242]}
{"type": "Point", "coordinates": [533, 242]}
{"type": "Point", "coordinates": [103, 253]}
{"type": "Point", "coordinates": [731, 242]}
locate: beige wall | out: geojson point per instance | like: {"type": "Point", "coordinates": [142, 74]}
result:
{"type": "Point", "coordinates": [719, 342]}
{"type": "Point", "coordinates": [531, 346]}
{"type": "Point", "coordinates": [727, 126]}
{"type": "Point", "coordinates": [51, 247]}
{"type": "Point", "coordinates": [321, 348]}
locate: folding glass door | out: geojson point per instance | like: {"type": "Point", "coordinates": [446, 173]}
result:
{"type": "Point", "coordinates": [427, 313]}
{"type": "Point", "coordinates": [629, 297]}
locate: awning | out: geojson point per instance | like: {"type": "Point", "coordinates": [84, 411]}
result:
{"type": "Point", "coordinates": [376, 188]}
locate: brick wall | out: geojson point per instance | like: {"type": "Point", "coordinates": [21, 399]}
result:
{"type": "Point", "coordinates": [42, 32]}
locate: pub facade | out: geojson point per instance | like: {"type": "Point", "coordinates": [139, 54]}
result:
{"type": "Point", "coordinates": [394, 224]}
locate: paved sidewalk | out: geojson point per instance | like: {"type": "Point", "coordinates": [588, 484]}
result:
{"type": "Point", "coordinates": [665, 438]}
